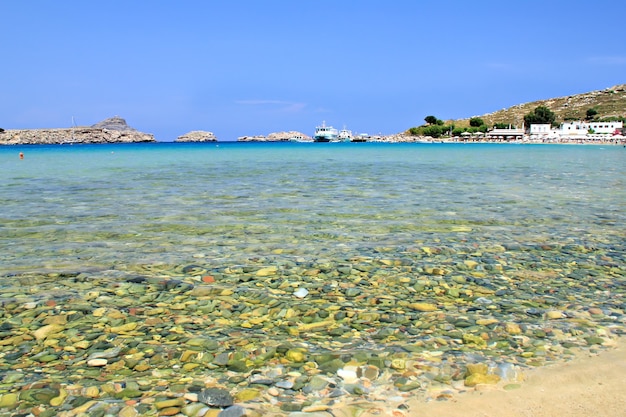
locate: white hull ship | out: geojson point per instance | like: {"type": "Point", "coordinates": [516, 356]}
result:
{"type": "Point", "coordinates": [325, 133]}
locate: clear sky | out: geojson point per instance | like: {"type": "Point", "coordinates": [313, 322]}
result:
{"type": "Point", "coordinates": [253, 67]}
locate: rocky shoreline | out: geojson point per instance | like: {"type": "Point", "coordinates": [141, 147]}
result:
{"type": "Point", "coordinates": [296, 339]}
{"type": "Point", "coordinates": [86, 135]}
{"type": "Point", "coordinates": [91, 135]}
{"type": "Point", "coordinates": [111, 130]}
{"type": "Point", "coordinates": [115, 130]}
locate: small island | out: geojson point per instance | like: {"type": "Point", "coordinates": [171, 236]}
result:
{"type": "Point", "coordinates": [197, 136]}
{"type": "Point", "coordinates": [111, 130]}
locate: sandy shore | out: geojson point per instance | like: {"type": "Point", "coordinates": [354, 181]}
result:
{"type": "Point", "coordinates": [586, 386]}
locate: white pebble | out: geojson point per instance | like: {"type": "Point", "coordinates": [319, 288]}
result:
{"type": "Point", "coordinates": [97, 362]}
{"type": "Point", "coordinates": [301, 292]}
{"type": "Point", "coordinates": [348, 375]}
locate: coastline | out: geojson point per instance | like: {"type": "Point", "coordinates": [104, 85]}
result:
{"type": "Point", "coordinates": [79, 135]}
{"type": "Point", "coordinates": [337, 295]}
{"type": "Point", "coordinates": [589, 384]}
{"type": "Point", "coordinates": [92, 135]}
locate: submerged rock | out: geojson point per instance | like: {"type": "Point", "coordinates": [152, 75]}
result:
{"type": "Point", "coordinates": [216, 397]}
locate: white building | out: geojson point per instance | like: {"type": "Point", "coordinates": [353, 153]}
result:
{"type": "Point", "coordinates": [505, 134]}
{"type": "Point", "coordinates": [606, 127]}
{"type": "Point", "coordinates": [540, 129]}
{"type": "Point", "coordinates": [582, 128]}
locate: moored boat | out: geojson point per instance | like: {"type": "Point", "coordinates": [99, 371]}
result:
{"type": "Point", "coordinates": [345, 135]}
{"type": "Point", "coordinates": [363, 137]}
{"type": "Point", "coordinates": [299, 138]}
{"type": "Point", "coordinates": [325, 133]}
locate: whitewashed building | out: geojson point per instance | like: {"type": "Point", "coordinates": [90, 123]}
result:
{"type": "Point", "coordinates": [582, 128]}
{"type": "Point", "coordinates": [573, 129]}
{"type": "Point", "coordinates": [606, 127]}
{"type": "Point", "coordinates": [540, 129]}
{"type": "Point", "coordinates": [505, 134]}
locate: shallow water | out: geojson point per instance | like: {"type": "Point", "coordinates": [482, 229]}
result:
{"type": "Point", "coordinates": [384, 268]}
{"type": "Point", "coordinates": [73, 207]}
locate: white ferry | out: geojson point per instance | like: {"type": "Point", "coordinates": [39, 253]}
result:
{"type": "Point", "coordinates": [325, 133]}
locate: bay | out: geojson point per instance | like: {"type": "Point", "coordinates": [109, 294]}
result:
{"type": "Point", "coordinates": [388, 269]}
{"type": "Point", "coordinates": [66, 206]}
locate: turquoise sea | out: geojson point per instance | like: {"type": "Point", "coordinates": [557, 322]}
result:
{"type": "Point", "coordinates": [306, 272]}
{"type": "Point", "coordinates": [73, 207]}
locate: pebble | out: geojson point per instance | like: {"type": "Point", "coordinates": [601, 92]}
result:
{"type": "Point", "coordinates": [97, 362]}
{"type": "Point", "coordinates": [234, 411]}
{"type": "Point", "coordinates": [216, 397]}
{"type": "Point", "coordinates": [8, 400]}
{"type": "Point", "coordinates": [128, 411]}
{"type": "Point", "coordinates": [195, 409]}
{"type": "Point", "coordinates": [304, 335]}
{"type": "Point", "coordinates": [301, 292]}
{"type": "Point", "coordinates": [349, 376]}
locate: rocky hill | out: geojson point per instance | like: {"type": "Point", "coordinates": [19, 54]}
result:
{"type": "Point", "coordinates": [114, 123]}
{"type": "Point", "coordinates": [112, 130]}
{"type": "Point", "coordinates": [610, 102]}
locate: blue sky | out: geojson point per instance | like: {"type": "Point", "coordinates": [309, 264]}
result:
{"type": "Point", "coordinates": [253, 67]}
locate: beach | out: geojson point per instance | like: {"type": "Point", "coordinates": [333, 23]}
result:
{"type": "Point", "coordinates": [590, 385]}
{"type": "Point", "coordinates": [313, 280]}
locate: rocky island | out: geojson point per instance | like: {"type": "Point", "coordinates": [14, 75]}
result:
{"type": "Point", "coordinates": [197, 136]}
{"type": "Point", "coordinates": [111, 130]}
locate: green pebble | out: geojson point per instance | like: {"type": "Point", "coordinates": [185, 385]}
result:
{"type": "Point", "coordinates": [291, 407]}
{"type": "Point", "coordinates": [8, 400]}
{"type": "Point", "coordinates": [50, 412]}
{"type": "Point", "coordinates": [594, 340]}
{"type": "Point", "coordinates": [409, 387]}
{"type": "Point", "coordinates": [238, 366]}
{"type": "Point", "coordinates": [128, 393]}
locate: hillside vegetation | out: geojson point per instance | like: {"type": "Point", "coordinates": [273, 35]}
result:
{"type": "Point", "coordinates": [608, 103]}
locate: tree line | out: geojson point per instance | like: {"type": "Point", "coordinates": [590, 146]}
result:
{"type": "Point", "coordinates": [437, 128]}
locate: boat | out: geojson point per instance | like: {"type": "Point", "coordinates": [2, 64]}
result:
{"type": "Point", "coordinates": [363, 137]}
{"type": "Point", "coordinates": [344, 135]}
{"type": "Point", "coordinates": [325, 133]}
{"type": "Point", "coordinates": [299, 138]}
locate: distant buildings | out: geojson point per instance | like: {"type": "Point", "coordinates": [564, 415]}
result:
{"type": "Point", "coordinates": [505, 134]}
{"type": "Point", "coordinates": [567, 131]}
{"type": "Point", "coordinates": [602, 128]}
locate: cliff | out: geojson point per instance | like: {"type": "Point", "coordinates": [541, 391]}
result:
{"type": "Point", "coordinates": [113, 130]}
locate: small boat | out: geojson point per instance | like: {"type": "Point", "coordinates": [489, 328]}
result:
{"type": "Point", "coordinates": [363, 137]}
{"type": "Point", "coordinates": [325, 133]}
{"type": "Point", "coordinates": [299, 138]}
{"type": "Point", "coordinates": [344, 135]}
